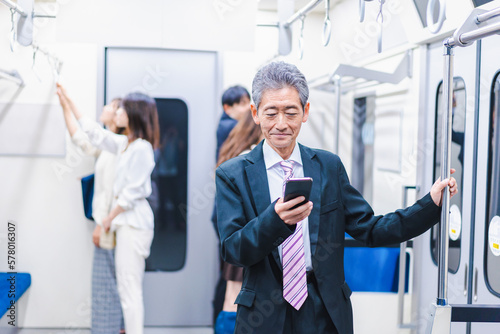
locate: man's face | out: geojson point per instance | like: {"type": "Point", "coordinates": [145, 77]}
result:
{"type": "Point", "coordinates": [238, 110]}
{"type": "Point", "coordinates": [280, 116]}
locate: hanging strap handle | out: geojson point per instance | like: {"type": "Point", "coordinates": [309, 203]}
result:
{"type": "Point", "coordinates": [380, 20]}
{"type": "Point", "coordinates": [301, 37]}
{"type": "Point", "coordinates": [435, 27]}
{"type": "Point", "coordinates": [327, 25]}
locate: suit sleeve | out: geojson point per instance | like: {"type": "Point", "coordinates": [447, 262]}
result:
{"type": "Point", "coordinates": [245, 243]}
{"type": "Point", "coordinates": [394, 227]}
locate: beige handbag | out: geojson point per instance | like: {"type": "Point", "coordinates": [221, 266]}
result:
{"type": "Point", "coordinates": [107, 240]}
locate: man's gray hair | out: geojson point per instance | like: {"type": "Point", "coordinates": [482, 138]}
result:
{"type": "Point", "coordinates": [278, 75]}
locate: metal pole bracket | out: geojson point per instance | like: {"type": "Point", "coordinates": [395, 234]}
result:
{"type": "Point", "coordinates": [469, 24]}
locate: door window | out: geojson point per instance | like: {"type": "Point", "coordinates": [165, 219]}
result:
{"type": "Point", "coordinates": [168, 250]}
{"type": "Point", "coordinates": [457, 160]}
{"type": "Point", "coordinates": [492, 249]}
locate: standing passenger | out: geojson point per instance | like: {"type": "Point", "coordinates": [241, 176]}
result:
{"type": "Point", "coordinates": [243, 138]}
{"type": "Point", "coordinates": [106, 308]}
{"type": "Point", "coordinates": [235, 103]}
{"type": "Point", "coordinates": [293, 257]}
{"type": "Point", "coordinates": [131, 216]}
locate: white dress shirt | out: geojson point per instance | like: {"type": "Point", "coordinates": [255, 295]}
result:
{"type": "Point", "coordinates": [275, 177]}
{"type": "Point", "coordinates": [132, 184]}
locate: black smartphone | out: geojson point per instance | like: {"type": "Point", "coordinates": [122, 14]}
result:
{"type": "Point", "coordinates": [296, 187]}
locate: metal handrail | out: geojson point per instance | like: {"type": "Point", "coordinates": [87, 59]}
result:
{"type": "Point", "coordinates": [402, 269]}
{"type": "Point", "coordinates": [338, 95]}
{"type": "Point", "coordinates": [302, 12]}
{"type": "Point", "coordinates": [475, 27]}
{"type": "Point", "coordinates": [463, 36]}
{"type": "Point", "coordinates": [488, 15]}
{"type": "Point", "coordinates": [469, 37]}
{"type": "Point", "coordinates": [14, 7]}
{"type": "Point", "coordinates": [444, 223]}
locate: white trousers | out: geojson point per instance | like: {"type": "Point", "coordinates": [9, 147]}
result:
{"type": "Point", "coordinates": [132, 249]}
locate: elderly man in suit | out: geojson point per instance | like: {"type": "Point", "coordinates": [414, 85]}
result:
{"type": "Point", "coordinates": [293, 257]}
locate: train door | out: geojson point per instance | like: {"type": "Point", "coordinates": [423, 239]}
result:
{"type": "Point", "coordinates": [486, 271]}
{"type": "Point", "coordinates": [459, 232]}
{"type": "Point", "coordinates": [182, 268]}
{"type": "Point", "coordinates": [378, 170]}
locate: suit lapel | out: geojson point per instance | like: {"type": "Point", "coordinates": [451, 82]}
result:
{"type": "Point", "coordinates": [312, 169]}
{"type": "Point", "coordinates": [257, 179]}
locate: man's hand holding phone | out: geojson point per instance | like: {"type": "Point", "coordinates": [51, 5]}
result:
{"type": "Point", "coordinates": [294, 210]}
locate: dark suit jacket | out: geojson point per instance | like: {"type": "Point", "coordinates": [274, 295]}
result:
{"type": "Point", "coordinates": [250, 232]}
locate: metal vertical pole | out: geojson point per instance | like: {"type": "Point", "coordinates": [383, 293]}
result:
{"type": "Point", "coordinates": [444, 223]}
{"type": "Point", "coordinates": [402, 281]}
{"type": "Point", "coordinates": [477, 95]}
{"type": "Point", "coordinates": [402, 269]}
{"type": "Point", "coordinates": [338, 94]}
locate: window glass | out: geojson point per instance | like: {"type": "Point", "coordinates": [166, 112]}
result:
{"type": "Point", "coordinates": [168, 251]}
{"type": "Point", "coordinates": [492, 251]}
{"type": "Point", "coordinates": [478, 3]}
{"type": "Point", "coordinates": [457, 160]}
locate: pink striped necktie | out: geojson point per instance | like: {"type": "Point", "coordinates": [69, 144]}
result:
{"type": "Point", "coordinates": [293, 259]}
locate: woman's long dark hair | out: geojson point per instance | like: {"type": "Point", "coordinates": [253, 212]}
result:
{"type": "Point", "coordinates": [142, 117]}
{"type": "Point", "coordinates": [245, 134]}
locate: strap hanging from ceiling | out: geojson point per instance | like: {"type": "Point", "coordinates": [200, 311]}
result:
{"type": "Point", "coordinates": [327, 24]}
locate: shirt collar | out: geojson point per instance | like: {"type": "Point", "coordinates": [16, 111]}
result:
{"type": "Point", "coordinates": [271, 157]}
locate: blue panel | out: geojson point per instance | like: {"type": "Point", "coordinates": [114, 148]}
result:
{"type": "Point", "coordinates": [372, 269]}
{"type": "Point", "coordinates": [12, 287]}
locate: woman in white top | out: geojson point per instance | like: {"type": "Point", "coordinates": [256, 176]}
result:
{"type": "Point", "coordinates": [131, 215]}
{"type": "Point", "coordinates": [106, 307]}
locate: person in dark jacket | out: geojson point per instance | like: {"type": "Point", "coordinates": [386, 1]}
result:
{"type": "Point", "coordinates": [293, 252]}
{"type": "Point", "coordinates": [235, 105]}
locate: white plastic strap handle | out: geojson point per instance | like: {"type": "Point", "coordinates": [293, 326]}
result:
{"type": "Point", "coordinates": [301, 37]}
{"type": "Point", "coordinates": [361, 10]}
{"type": "Point", "coordinates": [13, 30]}
{"type": "Point", "coordinates": [435, 27]}
{"type": "Point", "coordinates": [327, 25]}
{"type": "Point", "coordinates": [380, 21]}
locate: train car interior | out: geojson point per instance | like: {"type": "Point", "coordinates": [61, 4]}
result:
{"type": "Point", "coordinates": [400, 90]}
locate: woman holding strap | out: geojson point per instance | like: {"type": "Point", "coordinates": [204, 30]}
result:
{"type": "Point", "coordinates": [106, 309]}
{"type": "Point", "coordinates": [131, 216]}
